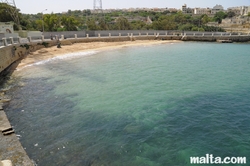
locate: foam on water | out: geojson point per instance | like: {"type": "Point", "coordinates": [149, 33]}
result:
{"type": "Point", "coordinates": [62, 57]}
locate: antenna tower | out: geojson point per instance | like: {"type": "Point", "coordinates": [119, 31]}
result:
{"type": "Point", "coordinates": [13, 11]}
{"type": "Point", "coordinates": [98, 6]}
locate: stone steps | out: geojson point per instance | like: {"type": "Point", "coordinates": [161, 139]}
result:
{"type": "Point", "coordinates": [8, 131]}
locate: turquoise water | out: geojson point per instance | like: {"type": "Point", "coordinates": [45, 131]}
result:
{"type": "Point", "coordinates": [138, 106]}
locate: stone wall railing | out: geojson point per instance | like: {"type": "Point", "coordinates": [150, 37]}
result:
{"type": "Point", "coordinates": [86, 34]}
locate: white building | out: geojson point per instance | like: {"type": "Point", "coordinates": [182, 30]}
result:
{"type": "Point", "coordinates": [184, 8]}
{"type": "Point", "coordinates": [244, 10]}
{"type": "Point", "coordinates": [240, 10]}
{"type": "Point", "coordinates": [201, 11]}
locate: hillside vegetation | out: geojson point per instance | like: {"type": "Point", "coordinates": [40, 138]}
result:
{"type": "Point", "coordinates": [117, 20]}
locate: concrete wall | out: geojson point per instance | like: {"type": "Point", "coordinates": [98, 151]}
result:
{"type": "Point", "coordinates": [71, 34]}
{"type": "Point", "coordinates": [67, 34]}
{"type": "Point", "coordinates": [12, 53]}
{"type": "Point", "coordinates": [9, 54]}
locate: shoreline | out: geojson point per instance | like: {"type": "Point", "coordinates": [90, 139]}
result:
{"type": "Point", "coordinates": [45, 54]}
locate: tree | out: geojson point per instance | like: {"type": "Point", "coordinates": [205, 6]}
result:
{"type": "Point", "coordinates": [230, 14]}
{"type": "Point", "coordinates": [6, 17]}
{"type": "Point", "coordinates": [219, 16]}
{"type": "Point", "coordinates": [138, 25]}
{"type": "Point", "coordinates": [122, 24]}
{"type": "Point", "coordinates": [103, 25]}
{"type": "Point", "coordinates": [186, 27]}
{"type": "Point", "coordinates": [179, 17]}
{"type": "Point", "coordinates": [91, 24]}
{"type": "Point", "coordinates": [87, 12]}
{"type": "Point", "coordinates": [205, 19]}
{"type": "Point", "coordinates": [51, 22]}
{"type": "Point", "coordinates": [165, 23]}
{"type": "Point", "coordinates": [69, 23]}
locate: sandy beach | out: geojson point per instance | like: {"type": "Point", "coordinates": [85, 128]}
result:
{"type": "Point", "coordinates": [51, 52]}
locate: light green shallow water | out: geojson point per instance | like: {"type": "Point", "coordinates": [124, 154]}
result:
{"type": "Point", "coordinates": [156, 105]}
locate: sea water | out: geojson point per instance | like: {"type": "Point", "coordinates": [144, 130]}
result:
{"type": "Point", "coordinates": [153, 105]}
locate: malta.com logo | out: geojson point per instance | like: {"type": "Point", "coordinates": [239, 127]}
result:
{"type": "Point", "coordinates": [210, 159]}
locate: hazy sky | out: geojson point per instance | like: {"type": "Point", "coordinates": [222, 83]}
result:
{"type": "Point", "coordinates": [57, 6]}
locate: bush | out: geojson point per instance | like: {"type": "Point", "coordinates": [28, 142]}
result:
{"type": "Point", "coordinates": [45, 44]}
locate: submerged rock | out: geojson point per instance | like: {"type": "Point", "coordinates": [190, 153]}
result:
{"type": "Point", "coordinates": [4, 100]}
{"type": "Point", "coordinates": [6, 163]}
{"type": "Point", "coordinates": [21, 84]}
{"type": "Point", "coordinates": [132, 128]}
{"type": "Point", "coordinates": [4, 90]}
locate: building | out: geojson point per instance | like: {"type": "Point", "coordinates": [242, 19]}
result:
{"type": "Point", "coordinates": [172, 10]}
{"type": "Point", "coordinates": [6, 27]}
{"type": "Point", "coordinates": [184, 8]}
{"type": "Point", "coordinates": [244, 10]}
{"type": "Point", "coordinates": [200, 11]}
{"type": "Point", "coordinates": [236, 10]}
{"type": "Point", "coordinates": [216, 9]}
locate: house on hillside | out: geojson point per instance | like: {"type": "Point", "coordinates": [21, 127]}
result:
{"type": "Point", "coordinates": [216, 9]}
{"type": "Point", "coordinates": [186, 9]}
{"type": "Point", "coordinates": [200, 11]}
{"type": "Point", "coordinates": [6, 27]}
{"type": "Point", "coordinates": [236, 10]}
{"type": "Point", "coordinates": [244, 10]}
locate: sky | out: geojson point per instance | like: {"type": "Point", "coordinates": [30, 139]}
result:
{"type": "Point", "coordinates": [58, 6]}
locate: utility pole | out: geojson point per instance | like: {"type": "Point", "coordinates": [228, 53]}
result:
{"type": "Point", "coordinates": [42, 20]}
{"type": "Point", "coordinates": [98, 11]}
{"type": "Point", "coordinates": [98, 6]}
{"type": "Point", "coordinates": [13, 12]}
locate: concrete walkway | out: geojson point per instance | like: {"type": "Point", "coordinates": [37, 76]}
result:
{"type": "Point", "coordinates": [11, 150]}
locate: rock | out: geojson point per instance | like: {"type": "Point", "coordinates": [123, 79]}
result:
{"type": "Point", "coordinates": [21, 84]}
{"type": "Point", "coordinates": [6, 163]}
{"type": "Point", "coordinates": [65, 42]}
{"type": "Point", "coordinates": [4, 100]}
{"type": "Point", "coordinates": [42, 51]}
{"type": "Point", "coordinates": [132, 128]}
{"type": "Point", "coordinates": [4, 90]}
